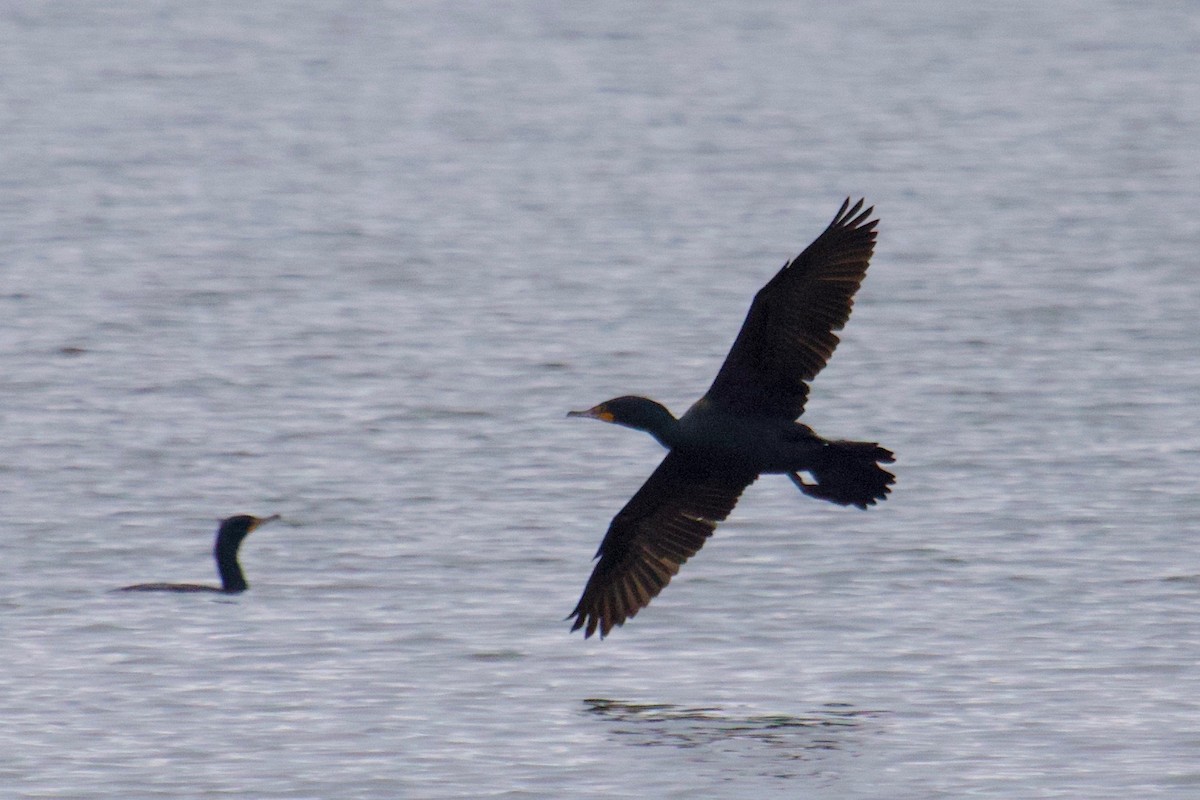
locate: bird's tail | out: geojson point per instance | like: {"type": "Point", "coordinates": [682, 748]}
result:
{"type": "Point", "coordinates": [848, 473]}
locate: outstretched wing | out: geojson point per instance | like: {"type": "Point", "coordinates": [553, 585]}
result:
{"type": "Point", "coordinates": [788, 337]}
{"type": "Point", "coordinates": [660, 528]}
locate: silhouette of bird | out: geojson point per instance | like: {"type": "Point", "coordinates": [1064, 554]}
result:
{"type": "Point", "coordinates": [229, 538]}
{"type": "Point", "coordinates": [745, 425]}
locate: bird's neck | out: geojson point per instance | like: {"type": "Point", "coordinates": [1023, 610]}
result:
{"type": "Point", "coordinates": [232, 579]}
{"type": "Point", "coordinates": [659, 423]}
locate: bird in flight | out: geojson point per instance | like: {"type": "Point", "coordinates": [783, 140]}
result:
{"type": "Point", "coordinates": [745, 425]}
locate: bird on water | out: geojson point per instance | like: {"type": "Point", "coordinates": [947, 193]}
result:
{"type": "Point", "coordinates": [229, 538]}
{"type": "Point", "coordinates": [745, 425]}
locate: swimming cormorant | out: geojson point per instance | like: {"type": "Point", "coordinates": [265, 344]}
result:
{"type": "Point", "coordinates": [225, 551]}
{"type": "Point", "coordinates": [743, 426]}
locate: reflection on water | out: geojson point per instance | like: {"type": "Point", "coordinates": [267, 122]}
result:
{"type": "Point", "coordinates": [771, 739]}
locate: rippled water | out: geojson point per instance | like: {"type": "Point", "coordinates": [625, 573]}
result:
{"type": "Point", "coordinates": [352, 265]}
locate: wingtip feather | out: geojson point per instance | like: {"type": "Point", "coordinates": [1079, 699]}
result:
{"type": "Point", "coordinates": [850, 217]}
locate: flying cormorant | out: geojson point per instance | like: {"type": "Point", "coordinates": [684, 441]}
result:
{"type": "Point", "coordinates": [743, 426]}
{"type": "Point", "coordinates": [225, 551]}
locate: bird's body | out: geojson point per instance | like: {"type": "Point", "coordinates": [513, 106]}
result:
{"type": "Point", "coordinates": [225, 550]}
{"type": "Point", "coordinates": [744, 426]}
{"type": "Point", "coordinates": [707, 433]}
{"type": "Point", "coordinates": [179, 587]}
{"type": "Point", "coordinates": [766, 445]}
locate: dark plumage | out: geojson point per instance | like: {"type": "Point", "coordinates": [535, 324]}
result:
{"type": "Point", "coordinates": [744, 425]}
{"type": "Point", "coordinates": [225, 551]}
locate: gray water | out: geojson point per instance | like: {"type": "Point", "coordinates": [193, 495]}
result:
{"type": "Point", "coordinates": [352, 264]}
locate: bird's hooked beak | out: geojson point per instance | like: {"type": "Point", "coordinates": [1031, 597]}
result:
{"type": "Point", "coordinates": [260, 521]}
{"type": "Point", "coordinates": [599, 412]}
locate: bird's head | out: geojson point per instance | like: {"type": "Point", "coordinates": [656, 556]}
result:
{"type": "Point", "coordinates": [639, 413]}
{"type": "Point", "coordinates": [239, 527]}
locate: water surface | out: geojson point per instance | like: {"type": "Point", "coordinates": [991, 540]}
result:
{"type": "Point", "coordinates": [352, 265]}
